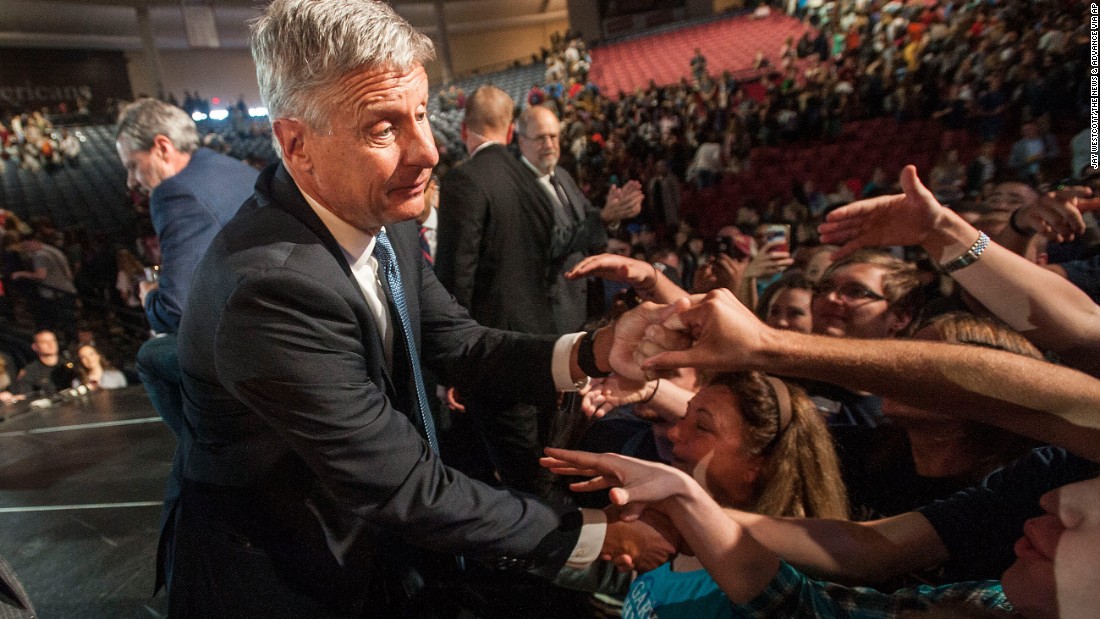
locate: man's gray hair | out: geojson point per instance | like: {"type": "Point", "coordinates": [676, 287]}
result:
{"type": "Point", "coordinates": [302, 48]}
{"type": "Point", "coordinates": [143, 120]}
{"type": "Point", "coordinates": [527, 116]}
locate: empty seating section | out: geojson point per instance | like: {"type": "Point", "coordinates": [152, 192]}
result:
{"type": "Point", "coordinates": [730, 43]}
{"type": "Point", "coordinates": [864, 145]}
{"type": "Point", "coordinates": [90, 194]}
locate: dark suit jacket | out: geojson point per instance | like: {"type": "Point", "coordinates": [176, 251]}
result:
{"type": "Point", "coordinates": [304, 450]}
{"type": "Point", "coordinates": [572, 242]}
{"type": "Point", "coordinates": [187, 211]}
{"type": "Point", "coordinates": [501, 249]}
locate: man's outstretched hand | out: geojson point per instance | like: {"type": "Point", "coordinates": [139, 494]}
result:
{"type": "Point", "coordinates": [904, 219]}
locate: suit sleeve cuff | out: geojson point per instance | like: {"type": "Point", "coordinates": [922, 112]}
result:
{"type": "Point", "coordinates": [590, 542]}
{"type": "Point", "coordinates": [559, 364]}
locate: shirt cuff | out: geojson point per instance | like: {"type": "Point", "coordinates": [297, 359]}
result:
{"type": "Point", "coordinates": [559, 364]}
{"type": "Point", "coordinates": [590, 542]}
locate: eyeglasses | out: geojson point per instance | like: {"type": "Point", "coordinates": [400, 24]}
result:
{"type": "Point", "coordinates": [850, 293]}
{"type": "Point", "coordinates": [549, 137]}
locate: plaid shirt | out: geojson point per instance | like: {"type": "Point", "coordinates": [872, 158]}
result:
{"type": "Point", "coordinates": [793, 594]}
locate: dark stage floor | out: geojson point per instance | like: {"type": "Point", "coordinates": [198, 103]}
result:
{"type": "Point", "coordinates": [80, 490]}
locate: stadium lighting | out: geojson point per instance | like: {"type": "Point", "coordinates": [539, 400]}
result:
{"type": "Point", "coordinates": [257, 112]}
{"type": "Point", "coordinates": [197, 116]}
{"type": "Point", "coordinates": [219, 114]}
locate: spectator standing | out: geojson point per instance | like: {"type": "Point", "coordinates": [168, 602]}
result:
{"type": "Point", "coordinates": [54, 305]}
{"type": "Point", "coordinates": [699, 66]}
{"type": "Point", "coordinates": [192, 192]}
{"type": "Point", "coordinates": [1030, 151]}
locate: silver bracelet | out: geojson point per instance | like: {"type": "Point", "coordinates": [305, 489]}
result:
{"type": "Point", "coordinates": [970, 257]}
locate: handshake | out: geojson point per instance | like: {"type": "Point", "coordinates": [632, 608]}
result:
{"type": "Point", "coordinates": [712, 331]}
{"type": "Point", "coordinates": [708, 332]}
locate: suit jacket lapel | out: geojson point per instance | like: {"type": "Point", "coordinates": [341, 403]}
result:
{"type": "Point", "coordinates": [530, 183]}
{"type": "Point", "coordinates": [576, 198]}
{"type": "Point", "coordinates": [284, 194]}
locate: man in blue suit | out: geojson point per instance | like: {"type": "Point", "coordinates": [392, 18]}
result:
{"type": "Point", "coordinates": [193, 192]}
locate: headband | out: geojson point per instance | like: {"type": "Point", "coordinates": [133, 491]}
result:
{"type": "Point", "coordinates": [782, 401]}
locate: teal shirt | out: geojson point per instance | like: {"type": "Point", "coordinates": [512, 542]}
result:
{"type": "Point", "coordinates": [664, 594]}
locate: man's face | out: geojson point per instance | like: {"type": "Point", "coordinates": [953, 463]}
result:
{"type": "Point", "coordinates": [145, 169]}
{"type": "Point", "coordinates": [373, 165]}
{"type": "Point", "coordinates": [1057, 569]}
{"type": "Point", "coordinates": [854, 305]}
{"type": "Point", "coordinates": [540, 144]}
{"type": "Point", "coordinates": [45, 344]}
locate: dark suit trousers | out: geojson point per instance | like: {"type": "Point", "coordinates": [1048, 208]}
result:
{"type": "Point", "coordinates": [226, 550]}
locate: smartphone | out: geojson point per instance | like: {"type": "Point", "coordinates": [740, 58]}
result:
{"type": "Point", "coordinates": [767, 233]}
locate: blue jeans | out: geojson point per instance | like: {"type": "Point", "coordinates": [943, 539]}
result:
{"type": "Point", "coordinates": [159, 369]}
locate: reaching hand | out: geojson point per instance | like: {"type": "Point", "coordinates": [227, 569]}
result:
{"type": "Point", "coordinates": [906, 219]}
{"type": "Point", "coordinates": [641, 544]}
{"type": "Point", "coordinates": [712, 332]}
{"type": "Point", "coordinates": [605, 394]}
{"type": "Point", "coordinates": [616, 268]}
{"type": "Point", "coordinates": [635, 484]}
{"type": "Point", "coordinates": [767, 262]}
{"type": "Point", "coordinates": [630, 347]}
{"type": "Point", "coordinates": [1057, 214]}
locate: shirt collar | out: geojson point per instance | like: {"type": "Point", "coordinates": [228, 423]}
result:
{"type": "Point", "coordinates": [356, 244]}
{"type": "Point", "coordinates": [538, 173]}
{"type": "Point", "coordinates": [432, 221]}
{"type": "Point", "coordinates": [482, 147]}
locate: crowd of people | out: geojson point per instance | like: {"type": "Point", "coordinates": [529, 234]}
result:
{"type": "Point", "coordinates": [1009, 73]}
{"type": "Point", "coordinates": [30, 140]}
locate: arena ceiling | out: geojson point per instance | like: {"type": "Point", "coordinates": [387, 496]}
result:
{"type": "Point", "coordinates": [115, 24]}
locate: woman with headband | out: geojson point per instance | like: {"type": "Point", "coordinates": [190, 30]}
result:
{"type": "Point", "coordinates": [753, 443]}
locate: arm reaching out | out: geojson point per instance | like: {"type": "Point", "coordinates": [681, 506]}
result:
{"type": "Point", "coordinates": [1049, 310]}
{"type": "Point", "coordinates": [647, 281]}
{"type": "Point", "coordinates": [1037, 399]}
{"type": "Point", "coordinates": [734, 559]}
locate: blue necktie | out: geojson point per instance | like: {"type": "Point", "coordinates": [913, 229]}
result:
{"type": "Point", "coordinates": [387, 260]}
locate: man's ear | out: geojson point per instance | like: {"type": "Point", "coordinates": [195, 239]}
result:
{"type": "Point", "coordinates": [462, 133]}
{"type": "Point", "coordinates": [163, 146]}
{"type": "Point", "coordinates": [511, 131]}
{"type": "Point", "coordinates": [291, 134]}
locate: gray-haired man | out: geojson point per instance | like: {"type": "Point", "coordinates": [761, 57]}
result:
{"type": "Point", "coordinates": [193, 192]}
{"type": "Point", "coordinates": [314, 470]}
